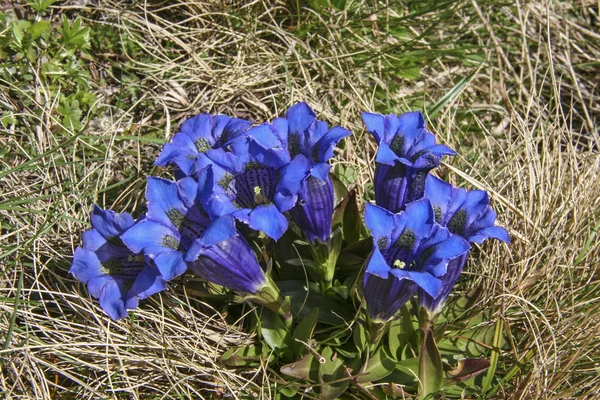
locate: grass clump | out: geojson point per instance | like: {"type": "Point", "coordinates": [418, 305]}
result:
{"type": "Point", "coordinates": [88, 92]}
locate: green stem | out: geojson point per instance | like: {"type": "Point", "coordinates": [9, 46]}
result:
{"type": "Point", "coordinates": [270, 297]}
{"type": "Point", "coordinates": [430, 359]}
{"type": "Point", "coordinates": [376, 330]}
{"type": "Point", "coordinates": [426, 319]}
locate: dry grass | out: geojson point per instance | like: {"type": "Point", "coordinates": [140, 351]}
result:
{"type": "Point", "coordinates": [525, 125]}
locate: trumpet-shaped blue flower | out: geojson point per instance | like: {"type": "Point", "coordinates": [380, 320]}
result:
{"type": "Point", "coordinates": [406, 154]}
{"type": "Point", "coordinates": [410, 252]}
{"type": "Point", "coordinates": [178, 234]}
{"type": "Point", "coordinates": [467, 214]}
{"type": "Point", "coordinates": [308, 143]}
{"type": "Point", "coordinates": [199, 136]}
{"type": "Point", "coordinates": [116, 276]}
{"type": "Point", "coordinates": [260, 182]}
{"type": "Point", "coordinates": [175, 219]}
{"type": "Point", "coordinates": [221, 255]}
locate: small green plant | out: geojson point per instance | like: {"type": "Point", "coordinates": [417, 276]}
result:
{"type": "Point", "coordinates": [41, 6]}
{"type": "Point", "coordinates": [53, 58]}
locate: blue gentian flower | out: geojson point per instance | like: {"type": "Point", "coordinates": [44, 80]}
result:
{"type": "Point", "coordinates": [406, 154]}
{"type": "Point", "coordinates": [178, 233]}
{"type": "Point", "coordinates": [116, 276]}
{"type": "Point", "coordinates": [308, 143]}
{"type": "Point", "coordinates": [410, 252]}
{"type": "Point", "coordinates": [260, 182]}
{"type": "Point", "coordinates": [467, 214]}
{"type": "Point", "coordinates": [175, 219]}
{"type": "Point", "coordinates": [191, 147]}
{"type": "Point", "coordinates": [221, 255]}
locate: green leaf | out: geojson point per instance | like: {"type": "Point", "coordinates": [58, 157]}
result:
{"type": "Point", "coordinates": [242, 356]}
{"type": "Point", "coordinates": [474, 342]}
{"type": "Point", "coordinates": [304, 300]}
{"type": "Point", "coordinates": [338, 4]}
{"type": "Point", "coordinates": [466, 369]}
{"type": "Point", "coordinates": [318, 5]}
{"type": "Point", "coordinates": [430, 368]}
{"type": "Point", "coordinates": [18, 30]}
{"type": "Point", "coordinates": [498, 337]}
{"type": "Point", "coordinates": [405, 373]}
{"type": "Point", "coordinates": [339, 189]}
{"type": "Point", "coordinates": [352, 222]}
{"type": "Point", "coordinates": [75, 36]}
{"type": "Point", "coordinates": [39, 29]}
{"type": "Point", "coordinates": [274, 331]}
{"type": "Point", "coordinates": [6, 119]}
{"type": "Point", "coordinates": [71, 115]}
{"type": "Point", "coordinates": [41, 5]}
{"type": "Point", "coordinates": [359, 336]}
{"type": "Point", "coordinates": [402, 334]}
{"type": "Point", "coordinates": [287, 391]}
{"type": "Point", "coordinates": [409, 72]}
{"type": "Point", "coordinates": [434, 110]}
{"type": "Point", "coordinates": [394, 391]}
{"type": "Point", "coordinates": [461, 308]}
{"type": "Point", "coordinates": [304, 330]}
{"type": "Point", "coordinates": [377, 367]}
{"type": "Point", "coordinates": [352, 258]}
{"type": "Point", "coordinates": [305, 369]}
{"type": "Point", "coordinates": [332, 374]}
{"type": "Point", "coordinates": [341, 291]}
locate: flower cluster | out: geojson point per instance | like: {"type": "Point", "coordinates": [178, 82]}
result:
{"type": "Point", "coordinates": [234, 177]}
{"type": "Point", "coordinates": [422, 227]}
{"type": "Point", "coordinates": [230, 173]}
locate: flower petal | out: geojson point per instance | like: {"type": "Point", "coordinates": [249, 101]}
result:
{"type": "Point", "coordinates": [268, 219]}
{"type": "Point", "coordinates": [430, 284]}
{"type": "Point", "coordinates": [150, 237]}
{"type": "Point", "coordinates": [180, 148]}
{"type": "Point", "coordinates": [385, 155]}
{"type": "Point", "coordinates": [314, 211]}
{"type": "Point", "coordinates": [434, 304]}
{"type": "Point", "coordinates": [385, 297]}
{"type": "Point", "coordinates": [491, 232]}
{"type": "Point", "coordinates": [235, 127]}
{"type": "Point", "coordinates": [271, 157]}
{"type": "Point", "coordinates": [420, 217]}
{"type": "Point", "coordinates": [441, 253]}
{"type": "Point", "coordinates": [148, 282]}
{"type": "Point", "coordinates": [328, 142]}
{"type": "Point", "coordinates": [321, 171]}
{"type": "Point", "coordinates": [108, 223]}
{"type": "Point", "coordinates": [380, 222]}
{"type": "Point", "coordinates": [377, 265]}
{"type": "Point", "coordinates": [230, 263]}
{"type": "Point", "coordinates": [218, 231]}
{"type": "Point", "coordinates": [439, 194]}
{"type": "Point", "coordinates": [170, 264]}
{"type": "Point", "coordinates": [187, 191]}
{"type": "Point", "coordinates": [300, 117]}
{"type": "Point", "coordinates": [267, 135]}
{"type": "Point", "coordinates": [111, 300]}
{"type": "Point", "coordinates": [86, 265]}
{"type": "Point", "coordinates": [290, 183]}
{"type": "Point", "coordinates": [163, 199]}
{"type": "Point", "coordinates": [375, 125]}
{"type": "Point", "coordinates": [409, 125]}
{"type": "Point", "coordinates": [93, 240]}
